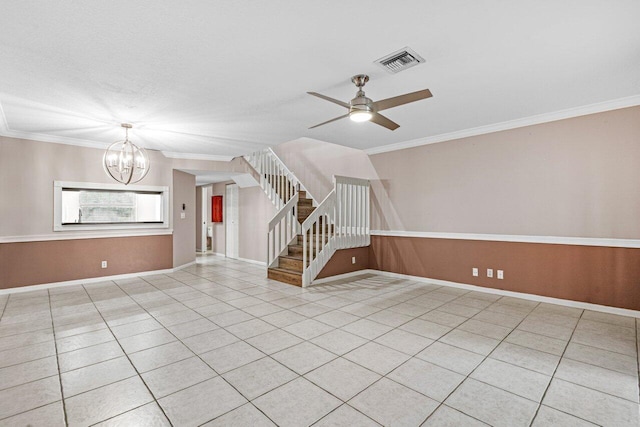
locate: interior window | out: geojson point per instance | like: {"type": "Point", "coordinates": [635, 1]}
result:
{"type": "Point", "coordinates": [81, 207]}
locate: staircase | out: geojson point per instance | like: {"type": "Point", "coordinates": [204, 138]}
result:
{"type": "Point", "coordinates": [304, 235]}
{"type": "Point", "coordinates": [290, 265]}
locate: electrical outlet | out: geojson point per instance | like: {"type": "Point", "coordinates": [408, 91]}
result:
{"type": "Point", "coordinates": [500, 274]}
{"type": "Point", "coordinates": [104, 264]}
{"type": "Point", "coordinates": [183, 215]}
{"type": "Point", "coordinates": [489, 272]}
{"type": "Point", "coordinates": [353, 260]}
{"type": "Point", "coordinates": [474, 271]}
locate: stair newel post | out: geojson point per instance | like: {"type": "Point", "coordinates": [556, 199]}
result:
{"type": "Point", "coordinates": [317, 248]}
{"type": "Point", "coordinates": [304, 257]}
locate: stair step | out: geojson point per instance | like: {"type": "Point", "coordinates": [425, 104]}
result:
{"type": "Point", "coordinates": [296, 250]}
{"type": "Point", "coordinates": [291, 262]}
{"type": "Point", "coordinates": [285, 276]}
{"type": "Point", "coordinates": [304, 202]}
{"type": "Point", "coordinates": [326, 238]}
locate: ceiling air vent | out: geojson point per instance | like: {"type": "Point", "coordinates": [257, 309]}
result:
{"type": "Point", "coordinates": [400, 60]}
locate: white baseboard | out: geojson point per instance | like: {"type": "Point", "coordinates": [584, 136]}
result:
{"type": "Point", "coordinates": [180, 267]}
{"type": "Point", "coordinates": [30, 288]}
{"type": "Point", "coordinates": [530, 297]}
{"type": "Point", "coordinates": [342, 276]}
{"type": "Point", "coordinates": [253, 261]}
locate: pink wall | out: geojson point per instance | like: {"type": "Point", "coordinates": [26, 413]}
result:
{"type": "Point", "coordinates": [576, 177]}
{"type": "Point", "coordinates": [254, 213]}
{"type": "Point", "coordinates": [316, 162]}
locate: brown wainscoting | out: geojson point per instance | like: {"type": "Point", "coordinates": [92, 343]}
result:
{"type": "Point", "coordinates": [31, 263]}
{"type": "Point", "coordinates": [593, 274]}
{"type": "Point", "coordinates": [340, 262]}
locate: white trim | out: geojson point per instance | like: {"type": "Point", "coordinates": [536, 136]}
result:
{"type": "Point", "coordinates": [342, 276]}
{"type": "Point", "coordinates": [29, 288]}
{"type": "Point", "coordinates": [74, 236]}
{"type": "Point", "coordinates": [251, 261]}
{"type": "Point", "coordinates": [193, 156]}
{"type": "Point", "coordinates": [530, 297]}
{"type": "Point", "coordinates": [555, 240]}
{"type": "Point", "coordinates": [219, 254]}
{"type": "Point", "coordinates": [568, 113]}
{"type": "Point", "coordinates": [180, 267]}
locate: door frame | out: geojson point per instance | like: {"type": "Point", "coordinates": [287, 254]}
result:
{"type": "Point", "coordinates": [231, 218]}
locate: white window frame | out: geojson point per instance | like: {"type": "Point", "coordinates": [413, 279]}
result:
{"type": "Point", "coordinates": [57, 206]}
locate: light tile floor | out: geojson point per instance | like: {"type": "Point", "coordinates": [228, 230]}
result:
{"type": "Point", "coordinates": [218, 344]}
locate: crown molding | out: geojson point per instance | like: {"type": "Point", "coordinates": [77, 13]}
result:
{"type": "Point", "coordinates": [192, 156]}
{"type": "Point", "coordinates": [584, 110]}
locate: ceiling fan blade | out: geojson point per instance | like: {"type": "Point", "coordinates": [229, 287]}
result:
{"type": "Point", "coordinates": [326, 98]}
{"type": "Point", "coordinates": [381, 120]}
{"type": "Point", "coordinates": [401, 99]}
{"type": "Point", "coordinates": [329, 121]}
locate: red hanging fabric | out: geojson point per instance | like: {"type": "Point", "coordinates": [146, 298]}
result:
{"type": "Point", "coordinates": [216, 209]}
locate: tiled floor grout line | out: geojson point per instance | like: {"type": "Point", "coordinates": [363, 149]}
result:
{"type": "Point", "coordinates": [298, 375]}
{"type": "Point", "coordinates": [219, 375]}
{"type": "Point", "coordinates": [55, 344]}
{"type": "Point", "coordinates": [556, 368]}
{"type": "Point", "coordinates": [129, 359]}
{"type": "Point", "coordinates": [4, 306]}
{"type": "Point", "coordinates": [474, 369]}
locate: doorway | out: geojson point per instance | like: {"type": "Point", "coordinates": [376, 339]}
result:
{"type": "Point", "coordinates": [231, 221]}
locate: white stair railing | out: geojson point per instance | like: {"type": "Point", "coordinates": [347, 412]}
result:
{"type": "Point", "coordinates": [353, 215]}
{"type": "Point", "coordinates": [341, 221]}
{"type": "Point", "coordinates": [276, 179]}
{"type": "Point", "coordinates": [318, 238]}
{"type": "Point", "coordinates": [282, 187]}
{"type": "Point", "coordinates": [283, 228]}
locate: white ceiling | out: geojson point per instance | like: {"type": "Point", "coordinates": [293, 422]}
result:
{"type": "Point", "coordinates": [225, 78]}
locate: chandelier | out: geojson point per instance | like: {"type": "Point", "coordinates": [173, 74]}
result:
{"type": "Point", "coordinates": [124, 161]}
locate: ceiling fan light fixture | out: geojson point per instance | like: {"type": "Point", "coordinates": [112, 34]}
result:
{"type": "Point", "coordinates": [360, 116]}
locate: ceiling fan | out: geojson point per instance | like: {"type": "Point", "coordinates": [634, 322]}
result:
{"type": "Point", "coordinates": [362, 109]}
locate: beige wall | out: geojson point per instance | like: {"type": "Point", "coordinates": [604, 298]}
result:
{"type": "Point", "coordinates": [199, 219]}
{"type": "Point", "coordinates": [255, 211]}
{"type": "Point", "coordinates": [184, 238]}
{"type": "Point", "coordinates": [577, 177]}
{"type": "Point", "coordinates": [28, 170]}
{"type": "Point", "coordinates": [316, 162]}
